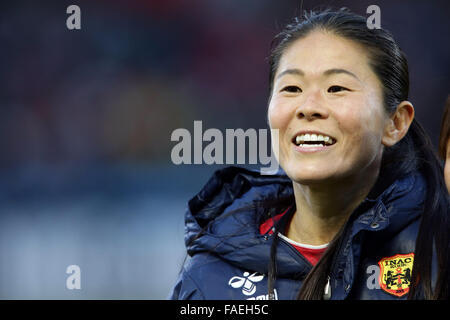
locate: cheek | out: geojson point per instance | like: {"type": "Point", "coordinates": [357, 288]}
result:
{"type": "Point", "coordinates": [447, 173]}
{"type": "Point", "coordinates": [366, 109]}
{"type": "Point", "coordinates": [278, 114]}
{"type": "Point", "coordinates": [362, 127]}
{"type": "Point", "coordinates": [352, 122]}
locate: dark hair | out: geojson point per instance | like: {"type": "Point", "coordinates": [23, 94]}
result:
{"type": "Point", "coordinates": [413, 153]}
{"type": "Point", "coordinates": [445, 130]}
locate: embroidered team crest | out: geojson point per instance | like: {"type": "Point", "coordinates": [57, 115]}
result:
{"type": "Point", "coordinates": [395, 273]}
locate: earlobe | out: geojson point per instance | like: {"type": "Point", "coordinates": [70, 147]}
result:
{"type": "Point", "coordinates": [398, 123]}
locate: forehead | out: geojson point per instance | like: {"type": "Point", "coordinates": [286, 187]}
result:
{"type": "Point", "coordinates": [321, 50]}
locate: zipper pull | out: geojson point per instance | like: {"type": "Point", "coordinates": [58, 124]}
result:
{"type": "Point", "coordinates": [327, 290]}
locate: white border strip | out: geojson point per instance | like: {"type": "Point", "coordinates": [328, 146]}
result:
{"type": "Point", "coordinates": [306, 246]}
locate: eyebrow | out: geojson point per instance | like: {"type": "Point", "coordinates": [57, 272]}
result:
{"type": "Point", "coordinates": [328, 72]}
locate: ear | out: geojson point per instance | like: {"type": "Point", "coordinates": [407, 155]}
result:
{"type": "Point", "coordinates": [398, 123]}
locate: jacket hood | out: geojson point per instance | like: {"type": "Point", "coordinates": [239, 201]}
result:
{"type": "Point", "coordinates": [224, 217]}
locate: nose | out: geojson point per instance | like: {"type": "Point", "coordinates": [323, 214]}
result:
{"type": "Point", "coordinates": [312, 108]}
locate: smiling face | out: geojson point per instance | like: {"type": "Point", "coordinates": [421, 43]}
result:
{"type": "Point", "coordinates": [324, 89]}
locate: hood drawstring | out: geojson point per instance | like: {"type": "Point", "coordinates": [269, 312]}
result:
{"type": "Point", "coordinates": [327, 290]}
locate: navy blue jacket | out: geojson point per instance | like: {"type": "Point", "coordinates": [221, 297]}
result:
{"type": "Point", "coordinates": [229, 258]}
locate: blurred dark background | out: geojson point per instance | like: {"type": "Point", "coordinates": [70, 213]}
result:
{"type": "Point", "coordinates": [86, 117]}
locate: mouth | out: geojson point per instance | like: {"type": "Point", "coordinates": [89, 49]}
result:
{"type": "Point", "coordinates": [313, 140]}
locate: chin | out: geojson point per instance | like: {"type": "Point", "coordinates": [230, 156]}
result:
{"type": "Point", "coordinates": [309, 177]}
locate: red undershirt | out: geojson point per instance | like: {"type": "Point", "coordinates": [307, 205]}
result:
{"type": "Point", "coordinates": [311, 253]}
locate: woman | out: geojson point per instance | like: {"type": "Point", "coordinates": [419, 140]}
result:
{"type": "Point", "coordinates": [444, 142]}
{"type": "Point", "coordinates": [360, 210]}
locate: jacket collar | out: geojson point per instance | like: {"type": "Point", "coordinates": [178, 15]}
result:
{"type": "Point", "coordinates": [224, 217]}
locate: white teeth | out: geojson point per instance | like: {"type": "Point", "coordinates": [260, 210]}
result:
{"type": "Point", "coordinates": [313, 137]}
{"type": "Point", "coordinates": [310, 145]}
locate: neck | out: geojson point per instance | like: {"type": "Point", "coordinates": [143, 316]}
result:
{"type": "Point", "coordinates": [323, 209]}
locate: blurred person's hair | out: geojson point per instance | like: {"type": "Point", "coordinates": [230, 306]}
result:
{"type": "Point", "coordinates": [445, 130]}
{"type": "Point", "coordinates": [413, 153]}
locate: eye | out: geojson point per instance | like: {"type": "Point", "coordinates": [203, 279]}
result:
{"type": "Point", "coordinates": [333, 89]}
{"type": "Point", "coordinates": [291, 89]}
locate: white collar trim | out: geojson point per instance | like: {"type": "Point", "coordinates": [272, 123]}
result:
{"type": "Point", "coordinates": [306, 246]}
